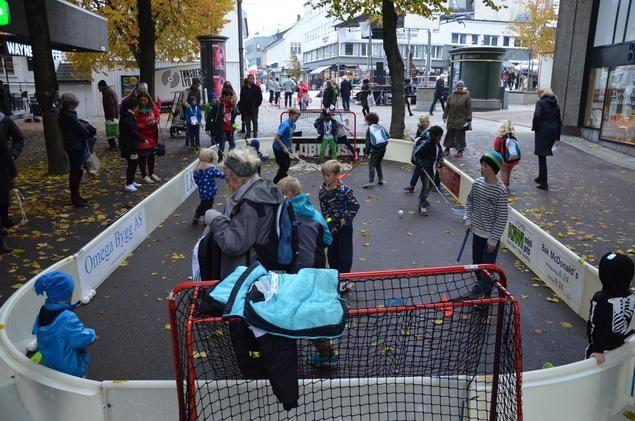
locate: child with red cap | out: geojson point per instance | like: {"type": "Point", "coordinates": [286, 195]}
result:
{"type": "Point", "coordinates": [62, 338]}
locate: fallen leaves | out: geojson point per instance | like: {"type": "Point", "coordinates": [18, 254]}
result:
{"type": "Point", "coordinates": [553, 299]}
{"type": "Point", "coordinates": [566, 325]}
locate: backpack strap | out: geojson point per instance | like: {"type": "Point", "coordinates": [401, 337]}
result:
{"type": "Point", "coordinates": [239, 283]}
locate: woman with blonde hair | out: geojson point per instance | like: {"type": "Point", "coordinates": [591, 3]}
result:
{"type": "Point", "coordinates": [504, 131]}
{"type": "Point", "coordinates": [546, 125]}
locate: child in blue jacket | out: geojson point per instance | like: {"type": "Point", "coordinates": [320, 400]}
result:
{"type": "Point", "coordinates": [61, 337]}
{"type": "Point", "coordinates": [193, 118]}
{"type": "Point", "coordinates": [204, 176]}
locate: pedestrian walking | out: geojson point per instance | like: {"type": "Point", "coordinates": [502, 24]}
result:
{"type": "Point", "coordinates": [303, 95]}
{"type": "Point", "coordinates": [345, 90]}
{"type": "Point", "coordinates": [328, 96]}
{"type": "Point", "coordinates": [271, 88]}
{"type": "Point", "coordinates": [289, 87]}
{"type": "Point", "coordinates": [409, 91]}
{"type": "Point", "coordinates": [75, 139]}
{"type": "Point", "coordinates": [503, 132]}
{"type": "Point", "coordinates": [458, 118]}
{"type": "Point", "coordinates": [546, 126]}
{"type": "Point", "coordinates": [111, 110]}
{"type": "Point", "coordinates": [277, 88]}
{"type": "Point", "coordinates": [148, 127]}
{"type": "Point", "coordinates": [439, 95]}
{"type": "Point", "coordinates": [365, 93]}
{"type": "Point", "coordinates": [250, 100]}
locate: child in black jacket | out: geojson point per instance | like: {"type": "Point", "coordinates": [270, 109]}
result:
{"type": "Point", "coordinates": [611, 308]}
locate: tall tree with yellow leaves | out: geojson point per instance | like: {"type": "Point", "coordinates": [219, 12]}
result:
{"type": "Point", "coordinates": [143, 31]}
{"type": "Point", "coordinates": [535, 28]}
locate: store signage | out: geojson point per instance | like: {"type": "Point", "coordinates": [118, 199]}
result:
{"type": "Point", "coordinates": [5, 15]}
{"type": "Point", "coordinates": [25, 50]}
{"type": "Point", "coordinates": [631, 53]}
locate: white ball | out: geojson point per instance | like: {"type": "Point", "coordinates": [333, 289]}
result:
{"type": "Point", "coordinates": [85, 299]}
{"type": "Point", "coordinates": [92, 293]}
{"type": "Point", "coordinates": [32, 346]}
{"type": "Point", "coordinates": [400, 212]}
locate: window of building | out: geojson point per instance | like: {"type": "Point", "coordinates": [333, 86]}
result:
{"type": "Point", "coordinates": [7, 63]}
{"type": "Point", "coordinates": [630, 26]}
{"type": "Point", "coordinates": [378, 50]}
{"type": "Point", "coordinates": [617, 122]}
{"type": "Point", "coordinates": [455, 38]}
{"type": "Point", "coordinates": [363, 49]}
{"type": "Point", "coordinates": [516, 42]}
{"type": "Point", "coordinates": [296, 48]}
{"type": "Point", "coordinates": [505, 41]}
{"type": "Point", "coordinates": [349, 49]}
{"type": "Point", "coordinates": [474, 39]}
{"type": "Point", "coordinates": [462, 38]}
{"type": "Point", "coordinates": [490, 40]}
{"type": "Point", "coordinates": [607, 14]}
{"type": "Point", "coordinates": [595, 97]}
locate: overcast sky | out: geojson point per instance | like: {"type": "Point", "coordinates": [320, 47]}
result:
{"type": "Point", "coordinates": [265, 16]}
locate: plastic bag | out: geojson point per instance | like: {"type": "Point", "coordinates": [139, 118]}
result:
{"type": "Point", "coordinates": [92, 164]}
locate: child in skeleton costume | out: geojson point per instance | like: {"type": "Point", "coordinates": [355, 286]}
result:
{"type": "Point", "coordinates": [611, 308]}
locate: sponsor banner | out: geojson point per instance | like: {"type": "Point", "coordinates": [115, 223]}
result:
{"type": "Point", "coordinates": [451, 180]}
{"type": "Point", "coordinates": [562, 270]}
{"type": "Point", "coordinates": [100, 258]}
{"type": "Point", "coordinates": [190, 185]}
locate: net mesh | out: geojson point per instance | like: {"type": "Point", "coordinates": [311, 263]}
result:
{"type": "Point", "coordinates": [414, 347]}
{"type": "Point", "coordinates": [306, 142]}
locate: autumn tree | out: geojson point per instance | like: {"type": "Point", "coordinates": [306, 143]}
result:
{"type": "Point", "coordinates": [535, 28]}
{"type": "Point", "coordinates": [143, 31]}
{"type": "Point", "coordinates": [295, 70]}
{"type": "Point", "coordinates": [46, 85]}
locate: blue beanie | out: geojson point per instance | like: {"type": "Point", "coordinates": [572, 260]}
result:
{"type": "Point", "coordinates": [58, 286]}
{"type": "Point", "coordinates": [493, 159]}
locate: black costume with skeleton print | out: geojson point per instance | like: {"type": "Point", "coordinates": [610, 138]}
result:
{"type": "Point", "coordinates": [612, 308]}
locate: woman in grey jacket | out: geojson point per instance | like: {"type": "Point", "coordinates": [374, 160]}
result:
{"type": "Point", "coordinates": [249, 213]}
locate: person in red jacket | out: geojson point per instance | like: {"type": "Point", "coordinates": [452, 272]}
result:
{"type": "Point", "coordinates": [504, 130]}
{"type": "Point", "coordinates": [303, 95]}
{"type": "Point", "coordinates": [148, 127]}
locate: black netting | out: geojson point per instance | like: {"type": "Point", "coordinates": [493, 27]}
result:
{"type": "Point", "coordinates": [450, 357]}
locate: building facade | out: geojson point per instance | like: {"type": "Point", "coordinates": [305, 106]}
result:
{"type": "Point", "coordinates": [324, 46]}
{"type": "Point", "coordinates": [255, 49]}
{"type": "Point", "coordinates": [594, 71]}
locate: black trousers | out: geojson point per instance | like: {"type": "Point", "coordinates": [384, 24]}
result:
{"type": "Point", "coordinates": [270, 97]}
{"type": "Point", "coordinates": [204, 206]}
{"type": "Point", "coordinates": [131, 170]}
{"type": "Point", "coordinates": [288, 98]}
{"type": "Point", "coordinates": [284, 162]}
{"type": "Point", "coordinates": [76, 172]}
{"type": "Point", "coordinates": [340, 252]}
{"type": "Point", "coordinates": [408, 105]}
{"type": "Point", "coordinates": [481, 255]}
{"type": "Point", "coordinates": [4, 208]}
{"type": "Point", "coordinates": [346, 102]}
{"type": "Point", "coordinates": [434, 102]}
{"type": "Point", "coordinates": [542, 169]}
{"type": "Point", "coordinates": [376, 156]}
{"type": "Point", "coordinates": [365, 110]}
{"type": "Point", "coordinates": [146, 162]}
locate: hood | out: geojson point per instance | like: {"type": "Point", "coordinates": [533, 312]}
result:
{"type": "Point", "coordinates": [302, 205]}
{"type": "Point", "coordinates": [616, 273]}
{"type": "Point", "coordinates": [263, 191]}
{"type": "Point", "coordinates": [551, 100]}
{"type": "Point", "coordinates": [49, 331]}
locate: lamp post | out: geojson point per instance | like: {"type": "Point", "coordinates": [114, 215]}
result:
{"type": "Point", "coordinates": [241, 64]}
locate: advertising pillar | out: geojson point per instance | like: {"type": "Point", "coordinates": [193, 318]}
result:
{"type": "Point", "coordinates": [212, 63]}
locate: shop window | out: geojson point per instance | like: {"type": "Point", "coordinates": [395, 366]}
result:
{"type": "Point", "coordinates": [505, 41]}
{"type": "Point", "coordinates": [595, 97]}
{"type": "Point", "coordinates": [348, 49]}
{"type": "Point", "coordinates": [618, 119]}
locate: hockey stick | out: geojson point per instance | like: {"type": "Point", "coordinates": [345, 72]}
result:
{"type": "Point", "coordinates": [467, 234]}
{"type": "Point", "coordinates": [459, 213]}
{"type": "Point", "coordinates": [308, 164]}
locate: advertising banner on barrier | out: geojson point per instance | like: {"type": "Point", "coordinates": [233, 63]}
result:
{"type": "Point", "coordinates": [190, 185]}
{"type": "Point", "coordinates": [97, 260]}
{"type": "Point", "coordinates": [546, 257]}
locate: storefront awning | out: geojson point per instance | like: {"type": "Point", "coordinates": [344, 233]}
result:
{"type": "Point", "coordinates": [318, 70]}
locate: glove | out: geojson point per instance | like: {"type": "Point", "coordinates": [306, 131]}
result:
{"type": "Point", "coordinates": [211, 215]}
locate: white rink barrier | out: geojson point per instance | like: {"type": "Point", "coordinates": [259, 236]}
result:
{"type": "Point", "coordinates": [578, 391]}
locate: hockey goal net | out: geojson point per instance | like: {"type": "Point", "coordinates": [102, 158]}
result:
{"type": "Point", "coordinates": [306, 143]}
{"type": "Point", "coordinates": [416, 346]}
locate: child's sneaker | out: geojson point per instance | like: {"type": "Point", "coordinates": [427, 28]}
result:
{"type": "Point", "coordinates": [369, 185]}
{"type": "Point", "coordinates": [147, 180]}
{"type": "Point", "coordinates": [155, 177]}
{"type": "Point", "coordinates": [409, 189]}
{"type": "Point", "coordinates": [380, 181]}
{"type": "Point", "coordinates": [423, 211]}
{"type": "Point", "coordinates": [130, 188]}
{"type": "Point", "coordinates": [316, 360]}
{"type": "Point", "coordinates": [195, 220]}
{"type": "Point", "coordinates": [136, 185]}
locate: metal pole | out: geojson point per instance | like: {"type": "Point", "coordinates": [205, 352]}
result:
{"type": "Point", "coordinates": [408, 52]}
{"type": "Point", "coordinates": [370, 56]}
{"type": "Point", "coordinates": [241, 63]}
{"type": "Point", "coordinates": [429, 58]}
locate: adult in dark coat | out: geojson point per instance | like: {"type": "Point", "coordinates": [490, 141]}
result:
{"type": "Point", "coordinates": [10, 133]}
{"type": "Point", "coordinates": [128, 138]}
{"type": "Point", "coordinates": [409, 91]}
{"type": "Point", "coordinates": [546, 125]}
{"type": "Point", "coordinates": [439, 95]}
{"type": "Point", "coordinates": [366, 92]}
{"type": "Point", "coordinates": [111, 107]}
{"type": "Point", "coordinates": [328, 97]}
{"type": "Point", "coordinates": [75, 136]}
{"type": "Point", "coordinates": [345, 90]}
{"type": "Point", "coordinates": [250, 100]}
{"type": "Point", "coordinates": [8, 175]}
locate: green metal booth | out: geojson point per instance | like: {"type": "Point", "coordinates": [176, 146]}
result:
{"type": "Point", "coordinates": [480, 68]}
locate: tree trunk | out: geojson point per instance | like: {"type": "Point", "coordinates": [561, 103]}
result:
{"type": "Point", "coordinates": [146, 56]}
{"type": "Point", "coordinates": [46, 86]}
{"type": "Point", "coordinates": [396, 66]}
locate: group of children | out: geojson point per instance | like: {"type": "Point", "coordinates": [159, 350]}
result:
{"type": "Point", "coordinates": [63, 340]}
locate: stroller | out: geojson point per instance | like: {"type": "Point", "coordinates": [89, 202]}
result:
{"type": "Point", "coordinates": [176, 117]}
